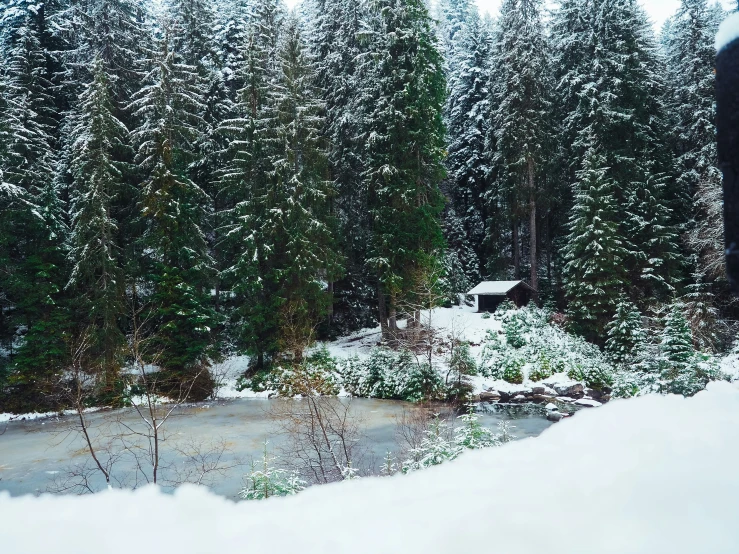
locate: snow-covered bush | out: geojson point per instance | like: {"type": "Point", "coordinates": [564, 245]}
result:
{"type": "Point", "coordinates": [270, 481]}
{"type": "Point", "coordinates": [392, 375]}
{"type": "Point", "coordinates": [442, 444]}
{"type": "Point", "coordinates": [316, 375]}
{"type": "Point", "coordinates": [542, 348]}
{"type": "Point", "coordinates": [462, 366]}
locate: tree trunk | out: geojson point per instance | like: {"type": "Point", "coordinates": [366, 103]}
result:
{"type": "Point", "coordinates": [516, 251]}
{"type": "Point", "coordinates": [330, 310]}
{"type": "Point", "coordinates": [532, 225]}
{"type": "Point", "coordinates": [382, 310]}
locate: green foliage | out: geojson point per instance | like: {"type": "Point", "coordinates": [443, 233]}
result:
{"type": "Point", "coordinates": [625, 333]}
{"type": "Point", "coordinates": [443, 444]}
{"type": "Point", "coordinates": [267, 481]}
{"type": "Point", "coordinates": [596, 375]}
{"type": "Point", "coordinates": [392, 375]}
{"type": "Point", "coordinates": [318, 375]}
{"type": "Point", "coordinates": [542, 368]}
{"type": "Point", "coordinates": [514, 331]}
{"type": "Point", "coordinates": [461, 367]}
{"type": "Point", "coordinates": [511, 370]}
{"type": "Point", "coordinates": [472, 435]}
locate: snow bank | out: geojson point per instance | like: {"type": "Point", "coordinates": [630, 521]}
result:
{"type": "Point", "coordinates": [728, 31]}
{"type": "Point", "coordinates": [653, 474]}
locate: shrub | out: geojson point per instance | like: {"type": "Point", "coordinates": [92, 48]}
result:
{"type": "Point", "coordinates": [461, 366]}
{"type": "Point", "coordinates": [270, 481]}
{"type": "Point", "coordinates": [316, 375]}
{"type": "Point", "coordinates": [542, 369]}
{"type": "Point", "coordinates": [392, 375]}
{"type": "Point", "coordinates": [512, 369]}
{"type": "Point", "coordinates": [514, 332]}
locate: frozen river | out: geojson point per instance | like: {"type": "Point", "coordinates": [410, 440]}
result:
{"type": "Point", "coordinates": [35, 454]}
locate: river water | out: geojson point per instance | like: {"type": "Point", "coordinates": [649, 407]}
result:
{"type": "Point", "coordinates": [36, 455]}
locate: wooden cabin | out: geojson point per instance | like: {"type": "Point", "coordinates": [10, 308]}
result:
{"type": "Point", "coordinates": [490, 294]}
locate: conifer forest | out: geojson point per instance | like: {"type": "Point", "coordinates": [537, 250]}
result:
{"type": "Point", "coordinates": [186, 180]}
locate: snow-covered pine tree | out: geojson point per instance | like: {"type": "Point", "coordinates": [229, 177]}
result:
{"type": "Point", "coordinates": [118, 33]}
{"type": "Point", "coordinates": [97, 276]}
{"type": "Point", "coordinates": [677, 342]}
{"type": "Point", "coordinates": [286, 221]}
{"type": "Point", "coordinates": [336, 43]}
{"type": "Point", "coordinates": [178, 266]}
{"type": "Point", "coordinates": [115, 31]}
{"type": "Point", "coordinates": [691, 56]}
{"type": "Point", "coordinates": [403, 96]}
{"type": "Point", "coordinates": [626, 334]}
{"type": "Point", "coordinates": [452, 16]}
{"type": "Point", "coordinates": [595, 275]}
{"type": "Point", "coordinates": [521, 119]}
{"type": "Point", "coordinates": [461, 269]}
{"type": "Point", "coordinates": [244, 175]}
{"type": "Point", "coordinates": [32, 230]}
{"type": "Point", "coordinates": [703, 317]}
{"type": "Point", "coordinates": [607, 42]}
{"type": "Point", "coordinates": [194, 39]}
{"type": "Point", "coordinates": [468, 162]}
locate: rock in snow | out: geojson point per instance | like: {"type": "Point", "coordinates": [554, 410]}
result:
{"type": "Point", "coordinates": [648, 475]}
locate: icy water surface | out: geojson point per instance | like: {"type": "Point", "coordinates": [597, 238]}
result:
{"type": "Point", "coordinates": [33, 454]}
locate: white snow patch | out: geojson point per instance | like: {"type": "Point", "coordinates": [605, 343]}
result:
{"type": "Point", "coordinates": [652, 474]}
{"type": "Point", "coordinates": [42, 415]}
{"type": "Point", "coordinates": [728, 31]}
{"type": "Point", "coordinates": [587, 403]}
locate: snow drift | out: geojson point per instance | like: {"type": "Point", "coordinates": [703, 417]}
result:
{"type": "Point", "coordinates": [653, 474]}
{"type": "Point", "coordinates": [728, 31]}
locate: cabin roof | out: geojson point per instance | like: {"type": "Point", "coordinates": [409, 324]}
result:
{"type": "Point", "coordinates": [497, 288]}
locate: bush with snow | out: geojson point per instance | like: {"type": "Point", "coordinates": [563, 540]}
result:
{"type": "Point", "coordinates": [392, 375]}
{"type": "Point", "coordinates": [318, 375]}
{"type": "Point", "coordinates": [265, 480]}
{"type": "Point", "coordinates": [443, 444]}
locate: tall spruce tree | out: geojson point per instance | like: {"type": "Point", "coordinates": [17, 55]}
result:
{"type": "Point", "coordinates": [32, 229]}
{"type": "Point", "coordinates": [520, 119]}
{"type": "Point", "coordinates": [613, 92]}
{"type": "Point", "coordinates": [691, 55]}
{"type": "Point", "coordinates": [97, 277]}
{"type": "Point", "coordinates": [595, 274]}
{"type": "Point", "coordinates": [468, 162]}
{"type": "Point", "coordinates": [338, 44]}
{"type": "Point", "coordinates": [178, 266]}
{"type": "Point", "coordinates": [244, 177]}
{"type": "Point", "coordinates": [404, 98]}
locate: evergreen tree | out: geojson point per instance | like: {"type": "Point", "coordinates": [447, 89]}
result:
{"type": "Point", "coordinates": [613, 92]}
{"type": "Point", "coordinates": [244, 177]}
{"type": "Point", "coordinates": [467, 127]}
{"type": "Point", "coordinates": [337, 45]}
{"type": "Point", "coordinates": [32, 229]}
{"type": "Point", "coordinates": [626, 335]}
{"type": "Point", "coordinates": [595, 275]}
{"type": "Point", "coordinates": [677, 342]}
{"type": "Point", "coordinates": [405, 137]}
{"type": "Point", "coordinates": [288, 247]}
{"type": "Point", "coordinates": [97, 276]}
{"type": "Point", "coordinates": [176, 258]}
{"type": "Point", "coordinates": [691, 55]}
{"type": "Point", "coordinates": [520, 119]}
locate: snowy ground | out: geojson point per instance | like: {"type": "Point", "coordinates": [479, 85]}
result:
{"type": "Point", "coordinates": [654, 474]}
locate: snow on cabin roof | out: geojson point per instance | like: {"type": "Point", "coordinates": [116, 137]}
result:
{"type": "Point", "coordinates": [497, 288]}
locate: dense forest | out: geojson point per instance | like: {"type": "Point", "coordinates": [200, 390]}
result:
{"type": "Point", "coordinates": [193, 178]}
